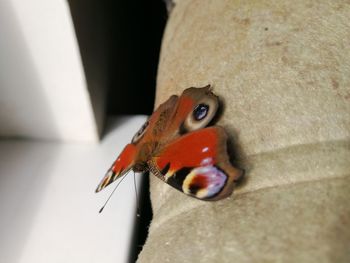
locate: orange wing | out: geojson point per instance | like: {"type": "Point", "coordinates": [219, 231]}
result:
{"type": "Point", "coordinates": [197, 164]}
{"type": "Point", "coordinates": [121, 166]}
{"type": "Point", "coordinates": [136, 154]}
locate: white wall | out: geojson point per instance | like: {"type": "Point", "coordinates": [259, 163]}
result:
{"type": "Point", "coordinates": [49, 208]}
{"type": "Point", "coordinates": [43, 90]}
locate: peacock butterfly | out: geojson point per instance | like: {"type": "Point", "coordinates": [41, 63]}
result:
{"type": "Point", "coordinates": [176, 145]}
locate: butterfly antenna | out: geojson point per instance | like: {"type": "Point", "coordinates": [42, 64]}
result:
{"type": "Point", "coordinates": [137, 199]}
{"type": "Point", "coordinates": [121, 180]}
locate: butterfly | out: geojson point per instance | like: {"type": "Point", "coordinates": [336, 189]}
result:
{"type": "Point", "coordinates": [178, 145]}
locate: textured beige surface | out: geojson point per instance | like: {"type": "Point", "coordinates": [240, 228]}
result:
{"type": "Point", "coordinates": [283, 71]}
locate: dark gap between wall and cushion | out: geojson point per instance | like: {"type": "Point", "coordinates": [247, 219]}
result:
{"type": "Point", "coordinates": [144, 219]}
{"type": "Point", "coordinates": [120, 43]}
{"type": "Point", "coordinates": [136, 29]}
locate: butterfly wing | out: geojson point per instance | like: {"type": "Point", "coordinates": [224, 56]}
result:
{"type": "Point", "coordinates": [195, 109]}
{"type": "Point", "coordinates": [197, 164]}
{"type": "Point", "coordinates": [121, 166]}
{"type": "Point", "coordinates": [138, 152]}
{"type": "Point", "coordinates": [176, 146]}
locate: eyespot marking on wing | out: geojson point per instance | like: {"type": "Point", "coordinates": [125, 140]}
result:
{"type": "Point", "coordinates": [204, 182]}
{"type": "Point", "coordinates": [178, 177]}
{"type": "Point", "coordinates": [200, 111]}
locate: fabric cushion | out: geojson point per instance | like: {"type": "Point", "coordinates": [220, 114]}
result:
{"type": "Point", "coordinates": [282, 70]}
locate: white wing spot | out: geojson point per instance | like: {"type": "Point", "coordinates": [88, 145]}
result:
{"type": "Point", "coordinates": [207, 161]}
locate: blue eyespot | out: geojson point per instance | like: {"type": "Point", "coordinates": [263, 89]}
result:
{"type": "Point", "coordinates": [200, 112]}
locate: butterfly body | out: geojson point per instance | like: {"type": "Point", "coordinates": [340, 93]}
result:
{"type": "Point", "coordinates": [176, 145]}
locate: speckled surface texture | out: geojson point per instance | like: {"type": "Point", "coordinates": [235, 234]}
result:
{"type": "Point", "coordinates": [283, 71]}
